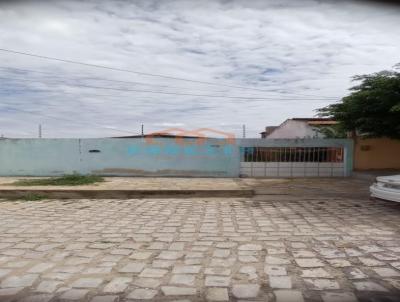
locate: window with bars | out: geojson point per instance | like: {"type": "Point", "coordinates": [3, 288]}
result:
{"type": "Point", "coordinates": [292, 154]}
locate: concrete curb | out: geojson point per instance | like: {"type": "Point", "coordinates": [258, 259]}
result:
{"type": "Point", "coordinates": [124, 194]}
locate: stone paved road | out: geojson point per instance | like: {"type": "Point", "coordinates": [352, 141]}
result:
{"type": "Point", "coordinates": [330, 250]}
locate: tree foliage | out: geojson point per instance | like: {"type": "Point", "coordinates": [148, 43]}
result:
{"type": "Point", "coordinates": [373, 107]}
{"type": "Point", "coordinates": [334, 131]}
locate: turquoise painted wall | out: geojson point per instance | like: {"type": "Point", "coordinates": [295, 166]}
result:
{"type": "Point", "coordinates": [136, 157]}
{"type": "Point", "coordinates": [110, 156]}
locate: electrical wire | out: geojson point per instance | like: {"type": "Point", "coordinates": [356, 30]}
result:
{"type": "Point", "coordinates": [161, 92]}
{"type": "Point", "coordinates": [130, 71]}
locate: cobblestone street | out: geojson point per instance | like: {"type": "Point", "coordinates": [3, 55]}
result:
{"type": "Point", "coordinates": [332, 249]}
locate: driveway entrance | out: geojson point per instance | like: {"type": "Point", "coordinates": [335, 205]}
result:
{"type": "Point", "coordinates": [295, 158]}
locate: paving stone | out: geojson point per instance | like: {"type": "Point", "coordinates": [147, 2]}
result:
{"type": "Point", "coordinates": [253, 241]}
{"type": "Point", "coordinates": [78, 261]}
{"type": "Point", "coordinates": [107, 298]}
{"type": "Point", "coordinates": [19, 281]}
{"type": "Point", "coordinates": [221, 253]}
{"type": "Point", "coordinates": [309, 262]}
{"type": "Point", "coordinates": [371, 248]}
{"type": "Point", "coordinates": [275, 270]}
{"type": "Point", "coordinates": [68, 269]}
{"type": "Point", "coordinates": [276, 251]}
{"type": "Point", "coordinates": [396, 265]}
{"type": "Point", "coordinates": [182, 279]}
{"type": "Point", "coordinates": [163, 263]}
{"type": "Point", "coordinates": [117, 285]}
{"type": "Point", "coordinates": [226, 245]}
{"type": "Point", "coordinates": [153, 273]}
{"type": "Point", "coordinates": [140, 255]}
{"type": "Point", "coordinates": [250, 271]}
{"type": "Point", "coordinates": [280, 282]}
{"type": "Point", "coordinates": [156, 246]}
{"type": "Point", "coordinates": [303, 254]}
{"type": "Point", "coordinates": [40, 268]}
{"type": "Point", "coordinates": [247, 259]}
{"type": "Point", "coordinates": [298, 245]}
{"type": "Point", "coordinates": [217, 281]}
{"type": "Point", "coordinates": [244, 291]}
{"type": "Point", "coordinates": [8, 292]}
{"type": "Point", "coordinates": [57, 276]}
{"type": "Point", "coordinates": [339, 297]}
{"type": "Point", "coordinates": [250, 247]}
{"type": "Point", "coordinates": [132, 267]}
{"type": "Point", "coordinates": [147, 282]}
{"type": "Point", "coordinates": [369, 286]}
{"type": "Point", "coordinates": [217, 271]}
{"type": "Point", "coordinates": [142, 294]}
{"type": "Point", "coordinates": [37, 298]}
{"type": "Point", "coordinates": [74, 294]}
{"type": "Point", "coordinates": [186, 269]}
{"type": "Point", "coordinates": [217, 294]}
{"type": "Point", "coordinates": [178, 291]}
{"type": "Point", "coordinates": [194, 261]}
{"type": "Point", "coordinates": [4, 272]}
{"type": "Point", "coordinates": [328, 253]}
{"type": "Point", "coordinates": [316, 273]}
{"type": "Point", "coordinates": [124, 252]}
{"type": "Point", "coordinates": [191, 255]}
{"type": "Point", "coordinates": [222, 262]}
{"type": "Point", "coordinates": [370, 261]}
{"type": "Point", "coordinates": [386, 256]}
{"type": "Point", "coordinates": [354, 273]}
{"type": "Point", "coordinates": [87, 282]}
{"type": "Point", "coordinates": [17, 264]}
{"type": "Point", "coordinates": [48, 286]}
{"type": "Point", "coordinates": [321, 284]}
{"type": "Point", "coordinates": [276, 260]}
{"type": "Point", "coordinates": [394, 282]}
{"type": "Point", "coordinates": [386, 272]}
{"type": "Point", "coordinates": [170, 255]}
{"type": "Point", "coordinates": [288, 296]}
{"type": "Point", "coordinates": [338, 262]}
{"type": "Point", "coordinates": [98, 270]}
{"type": "Point", "coordinates": [101, 246]}
{"type": "Point", "coordinates": [177, 246]}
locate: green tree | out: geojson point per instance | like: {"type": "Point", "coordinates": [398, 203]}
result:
{"type": "Point", "coordinates": [334, 131]}
{"type": "Point", "coordinates": [373, 107]}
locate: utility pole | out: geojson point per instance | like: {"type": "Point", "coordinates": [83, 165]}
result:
{"type": "Point", "coordinates": [244, 130]}
{"type": "Point", "coordinates": [40, 130]}
{"type": "Point", "coordinates": [142, 130]}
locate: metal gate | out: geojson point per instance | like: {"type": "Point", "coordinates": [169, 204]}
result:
{"type": "Point", "coordinates": [292, 162]}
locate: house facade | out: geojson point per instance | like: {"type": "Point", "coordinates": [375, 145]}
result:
{"type": "Point", "coordinates": [298, 128]}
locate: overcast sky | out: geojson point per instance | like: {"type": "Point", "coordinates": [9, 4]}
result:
{"type": "Point", "coordinates": [293, 56]}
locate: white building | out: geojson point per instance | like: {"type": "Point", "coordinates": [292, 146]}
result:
{"type": "Point", "coordinates": [298, 128]}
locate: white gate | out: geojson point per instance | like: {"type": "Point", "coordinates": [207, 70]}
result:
{"type": "Point", "coordinates": [292, 162]}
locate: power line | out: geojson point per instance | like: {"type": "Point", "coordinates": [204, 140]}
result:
{"type": "Point", "coordinates": [161, 92]}
{"type": "Point", "coordinates": [134, 82]}
{"type": "Point", "coordinates": [129, 71]}
{"type": "Point", "coordinates": [106, 80]}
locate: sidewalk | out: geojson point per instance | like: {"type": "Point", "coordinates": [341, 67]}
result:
{"type": "Point", "coordinates": [134, 187]}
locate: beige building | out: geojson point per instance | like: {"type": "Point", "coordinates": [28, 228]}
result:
{"type": "Point", "coordinates": [298, 128]}
{"type": "Point", "coordinates": [376, 153]}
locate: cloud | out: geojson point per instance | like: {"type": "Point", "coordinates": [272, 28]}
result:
{"type": "Point", "coordinates": [303, 53]}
